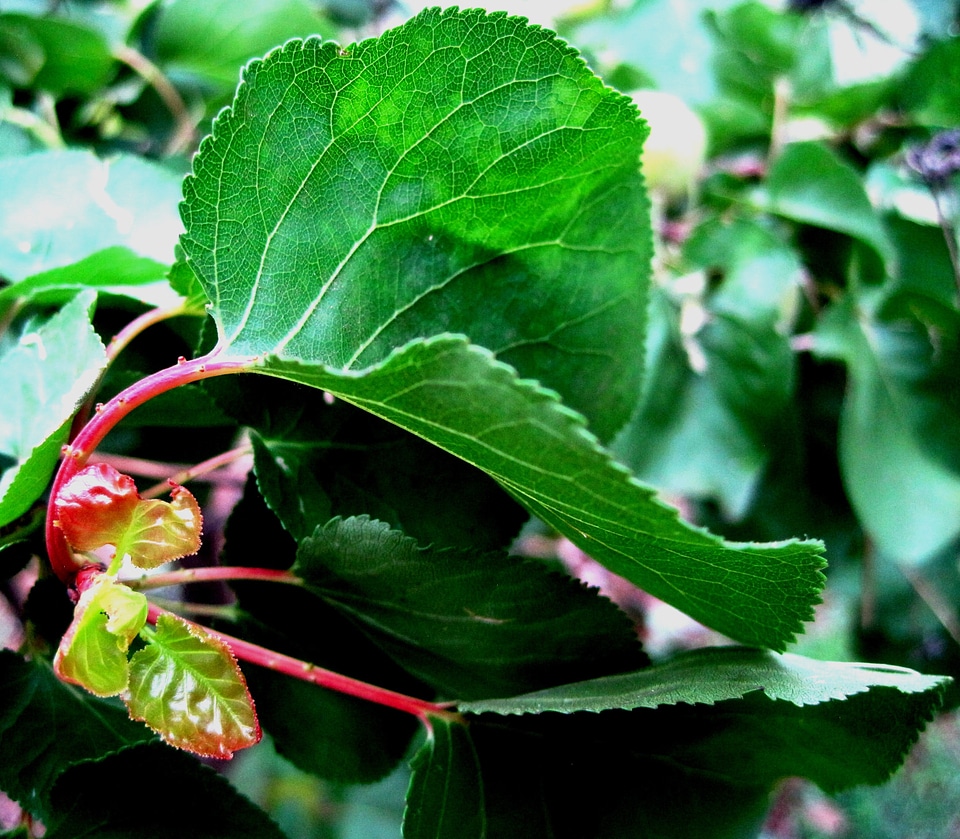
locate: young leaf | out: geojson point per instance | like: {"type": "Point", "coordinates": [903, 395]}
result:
{"type": "Point", "coordinates": [93, 652]}
{"type": "Point", "coordinates": [98, 506]}
{"type": "Point", "coordinates": [463, 173]}
{"type": "Point", "coordinates": [48, 373]}
{"type": "Point", "coordinates": [717, 673]}
{"type": "Point", "coordinates": [460, 398]}
{"type": "Point", "coordinates": [186, 685]}
{"type": "Point", "coordinates": [469, 623]}
{"type": "Point", "coordinates": [445, 799]}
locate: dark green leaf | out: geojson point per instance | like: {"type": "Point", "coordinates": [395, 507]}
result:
{"type": "Point", "coordinates": [460, 398]}
{"type": "Point", "coordinates": [315, 460]}
{"type": "Point", "coordinates": [715, 674]}
{"type": "Point", "coordinates": [472, 624]}
{"type": "Point", "coordinates": [426, 182]}
{"type": "Point", "coordinates": [107, 800]}
{"type": "Point", "coordinates": [445, 799]}
{"type": "Point", "coordinates": [47, 726]}
{"type": "Point", "coordinates": [53, 55]}
{"type": "Point", "coordinates": [328, 734]}
{"type": "Point", "coordinates": [49, 373]}
{"type": "Point", "coordinates": [59, 207]}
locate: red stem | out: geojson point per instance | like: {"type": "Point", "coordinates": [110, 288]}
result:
{"type": "Point", "coordinates": [211, 574]}
{"type": "Point", "coordinates": [298, 669]}
{"type": "Point", "coordinates": [76, 454]}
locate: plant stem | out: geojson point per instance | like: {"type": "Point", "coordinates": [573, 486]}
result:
{"type": "Point", "coordinates": [203, 468]}
{"type": "Point", "coordinates": [76, 455]}
{"type": "Point", "coordinates": [211, 574]}
{"type": "Point", "coordinates": [298, 669]}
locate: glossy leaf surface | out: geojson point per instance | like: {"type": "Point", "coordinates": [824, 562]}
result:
{"type": "Point", "coordinates": [718, 673]}
{"type": "Point", "coordinates": [93, 652]}
{"type": "Point", "coordinates": [445, 799]}
{"type": "Point", "coordinates": [99, 506]}
{"type": "Point", "coordinates": [186, 685]}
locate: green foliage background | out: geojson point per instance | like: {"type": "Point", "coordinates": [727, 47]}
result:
{"type": "Point", "coordinates": [801, 379]}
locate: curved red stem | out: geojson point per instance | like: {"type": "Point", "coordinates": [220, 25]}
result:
{"type": "Point", "coordinates": [76, 454]}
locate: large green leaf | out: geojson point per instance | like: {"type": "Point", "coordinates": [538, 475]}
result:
{"type": "Point", "coordinates": [470, 623]}
{"type": "Point", "coordinates": [461, 173]}
{"type": "Point", "coordinates": [715, 674]}
{"type": "Point", "coordinates": [45, 377]}
{"type": "Point", "coordinates": [462, 399]}
{"type": "Point", "coordinates": [445, 799]}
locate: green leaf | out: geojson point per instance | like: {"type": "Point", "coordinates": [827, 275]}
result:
{"type": "Point", "coordinates": [445, 799]}
{"type": "Point", "coordinates": [708, 431]}
{"type": "Point", "coordinates": [810, 184]}
{"type": "Point", "coordinates": [425, 182]}
{"type": "Point", "coordinates": [47, 726]}
{"type": "Point", "coordinates": [186, 685]}
{"type": "Point", "coordinates": [59, 207]}
{"type": "Point", "coordinates": [93, 652]}
{"type": "Point", "coordinates": [459, 397]}
{"type": "Point", "coordinates": [115, 270]}
{"type": "Point", "coordinates": [54, 55]}
{"type": "Point", "coordinates": [329, 734]}
{"type": "Point", "coordinates": [898, 431]}
{"type": "Point", "coordinates": [930, 89]}
{"type": "Point", "coordinates": [715, 674]}
{"type": "Point", "coordinates": [472, 624]}
{"type": "Point", "coordinates": [315, 460]}
{"type": "Point", "coordinates": [209, 43]}
{"type": "Point", "coordinates": [46, 376]}
{"type": "Point", "coordinates": [106, 800]}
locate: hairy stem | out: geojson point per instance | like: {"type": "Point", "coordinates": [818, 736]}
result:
{"type": "Point", "coordinates": [76, 455]}
{"type": "Point", "coordinates": [303, 670]}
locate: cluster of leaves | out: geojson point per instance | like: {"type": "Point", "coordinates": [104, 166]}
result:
{"type": "Point", "coordinates": [433, 248]}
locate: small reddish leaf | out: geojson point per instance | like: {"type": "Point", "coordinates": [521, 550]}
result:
{"type": "Point", "coordinates": [187, 686]}
{"type": "Point", "coordinates": [93, 651]}
{"type": "Point", "coordinates": [95, 506]}
{"type": "Point", "coordinates": [99, 507]}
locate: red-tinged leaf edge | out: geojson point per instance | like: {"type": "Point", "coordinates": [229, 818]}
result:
{"type": "Point", "coordinates": [167, 691]}
{"type": "Point", "coordinates": [93, 651]}
{"type": "Point", "coordinates": [99, 506]}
